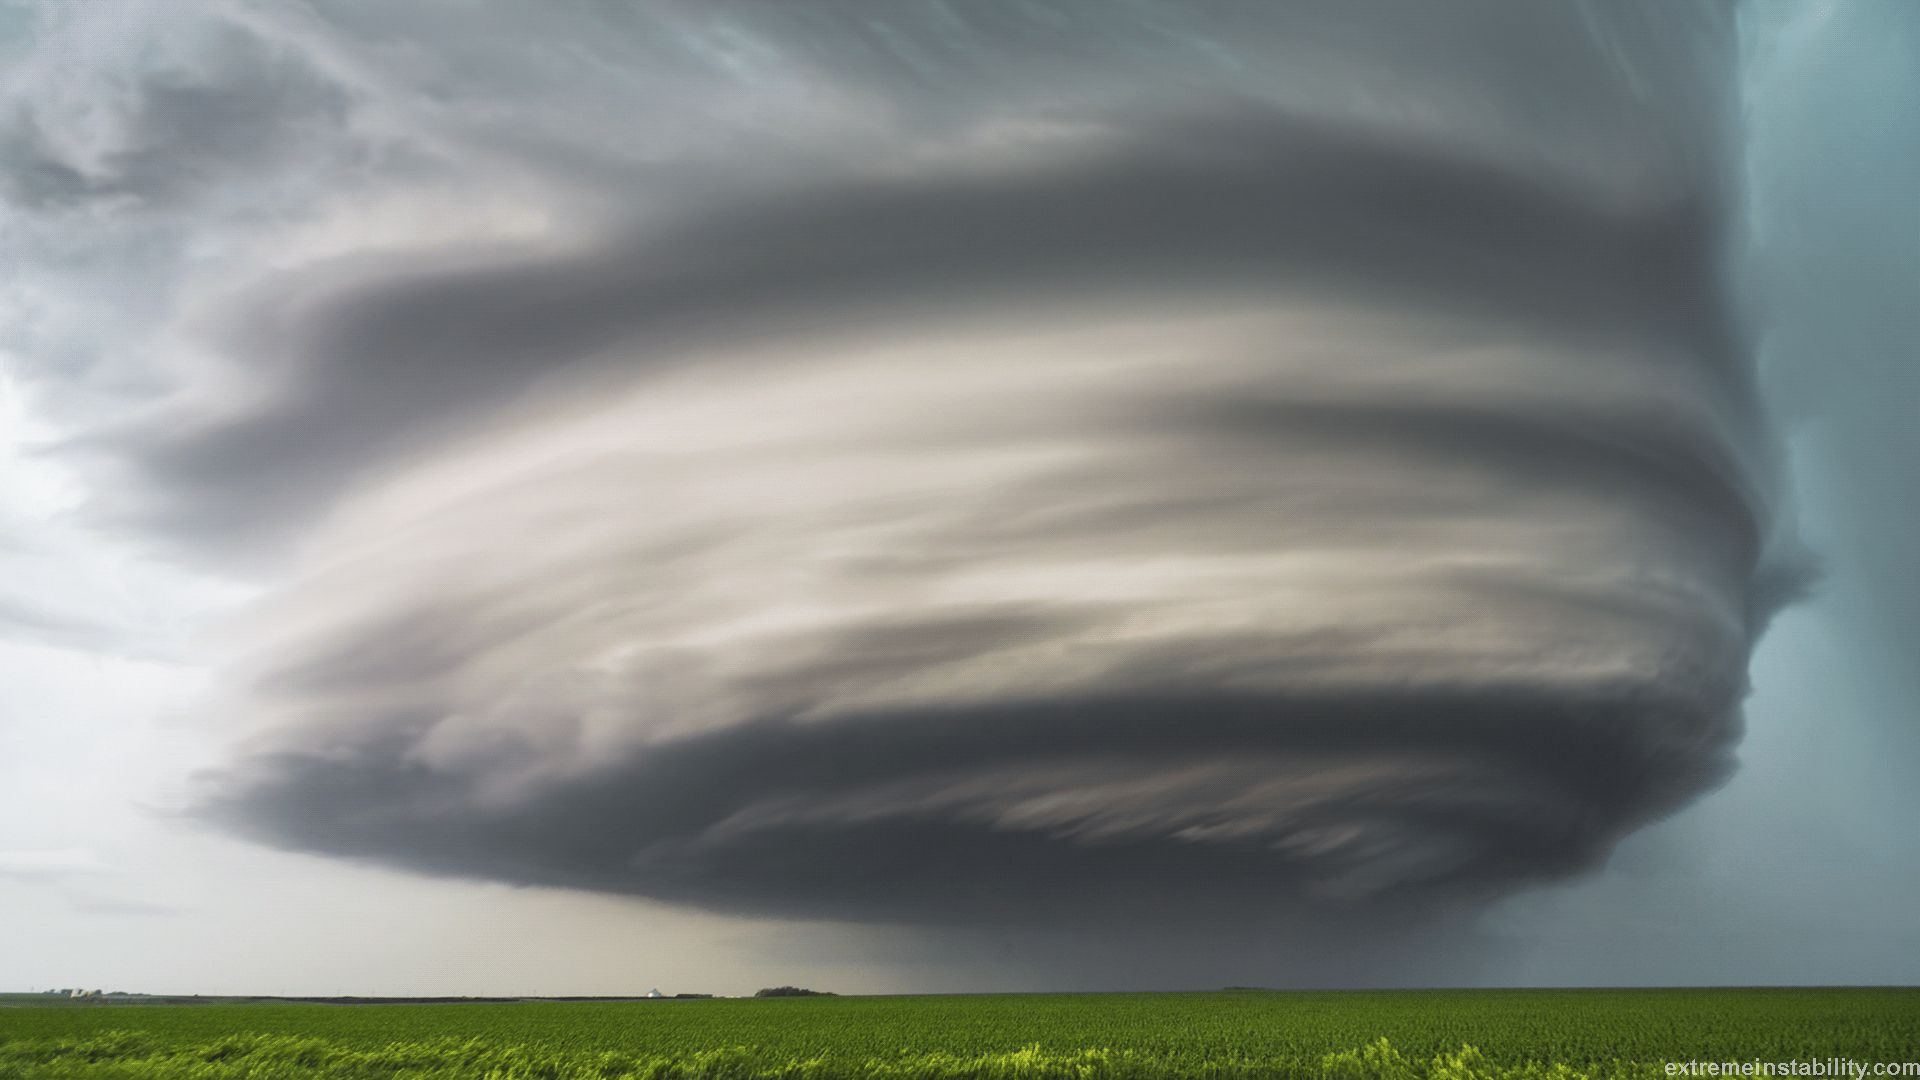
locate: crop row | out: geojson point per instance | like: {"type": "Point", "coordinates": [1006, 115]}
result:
{"type": "Point", "coordinates": [130, 1056]}
{"type": "Point", "coordinates": [1599, 1032]}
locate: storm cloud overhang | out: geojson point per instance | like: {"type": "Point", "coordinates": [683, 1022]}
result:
{"type": "Point", "coordinates": [1256, 509]}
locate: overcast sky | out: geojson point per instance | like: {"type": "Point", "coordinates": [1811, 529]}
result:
{"type": "Point", "coordinates": [501, 499]}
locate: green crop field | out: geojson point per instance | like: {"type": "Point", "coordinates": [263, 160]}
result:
{"type": "Point", "coordinates": [1414, 1035]}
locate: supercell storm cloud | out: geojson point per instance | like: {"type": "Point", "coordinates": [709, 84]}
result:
{"type": "Point", "coordinates": [932, 462]}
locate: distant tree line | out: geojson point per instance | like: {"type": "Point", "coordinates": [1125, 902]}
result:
{"type": "Point", "coordinates": [791, 991]}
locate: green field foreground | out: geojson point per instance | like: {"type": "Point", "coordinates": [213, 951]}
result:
{"type": "Point", "coordinates": [1411, 1035]}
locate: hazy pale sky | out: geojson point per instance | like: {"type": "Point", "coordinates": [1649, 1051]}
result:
{"type": "Point", "coordinates": [570, 499]}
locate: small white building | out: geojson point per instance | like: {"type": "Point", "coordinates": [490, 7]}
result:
{"type": "Point", "coordinates": [655, 992]}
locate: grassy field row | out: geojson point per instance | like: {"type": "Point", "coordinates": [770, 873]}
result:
{"type": "Point", "coordinates": [258, 1057]}
{"type": "Point", "coordinates": [1523, 1035]}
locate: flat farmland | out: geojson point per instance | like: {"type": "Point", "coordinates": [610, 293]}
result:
{"type": "Point", "coordinates": [1353, 1034]}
